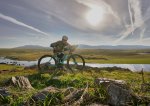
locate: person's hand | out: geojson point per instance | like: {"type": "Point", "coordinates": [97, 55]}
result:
{"type": "Point", "coordinates": [66, 48]}
{"type": "Point", "coordinates": [73, 48]}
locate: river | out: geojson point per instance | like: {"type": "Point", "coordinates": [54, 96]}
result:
{"type": "Point", "coordinates": [132, 67]}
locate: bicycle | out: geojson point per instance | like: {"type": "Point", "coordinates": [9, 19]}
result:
{"type": "Point", "coordinates": [73, 62]}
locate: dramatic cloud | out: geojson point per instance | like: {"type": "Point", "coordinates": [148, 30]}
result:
{"type": "Point", "coordinates": [10, 19]}
{"type": "Point", "coordinates": [45, 21]}
{"type": "Point", "coordinates": [135, 18]}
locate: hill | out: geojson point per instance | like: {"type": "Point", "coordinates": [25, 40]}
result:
{"type": "Point", "coordinates": [31, 47]}
{"type": "Point", "coordinates": [82, 46]}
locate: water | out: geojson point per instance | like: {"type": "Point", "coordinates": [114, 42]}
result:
{"type": "Point", "coordinates": [17, 62]}
{"type": "Point", "coordinates": [132, 67]}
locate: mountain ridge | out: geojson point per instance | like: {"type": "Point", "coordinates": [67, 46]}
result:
{"type": "Point", "coordinates": [83, 46]}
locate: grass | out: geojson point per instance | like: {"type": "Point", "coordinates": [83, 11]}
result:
{"type": "Point", "coordinates": [90, 55]}
{"type": "Point", "coordinates": [24, 54]}
{"type": "Point", "coordinates": [77, 80]}
{"type": "Point", "coordinates": [62, 80]}
{"type": "Point", "coordinates": [11, 70]}
{"type": "Point", "coordinates": [116, 56]}
{"type": "Point", "coordinates": [10, 67]}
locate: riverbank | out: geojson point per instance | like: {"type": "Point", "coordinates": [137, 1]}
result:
{"type": "Point", "coordinates": [102, 56]}
{"type": "Point", "coordinates": [132, 67]}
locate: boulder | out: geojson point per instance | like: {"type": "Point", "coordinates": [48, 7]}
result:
{"type": "Point", "coordinates": [117, 91]}
{"type": "Point", "coordinates": [119, 95]}
{"type": "Point", "coordinates": [21, 82]}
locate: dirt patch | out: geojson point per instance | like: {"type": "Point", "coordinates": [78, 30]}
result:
{"type": "Point", "coordinates": [4, 71]}
{"type": "Point", "coordinates": [95, 58]}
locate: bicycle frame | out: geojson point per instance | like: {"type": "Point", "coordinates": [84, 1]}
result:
{"type": "Point", "coordinates": [60, 61]}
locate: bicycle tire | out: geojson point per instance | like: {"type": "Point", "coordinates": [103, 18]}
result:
{"type": "Point", "coordinates": [80, 67]}
{"type": "Point", "coordinates": [47, 62]}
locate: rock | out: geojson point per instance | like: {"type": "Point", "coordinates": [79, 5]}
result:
{"type": "Point", "coordinates": [4, 92]}
{"type": "Point", "coordinates": [48, 93]}
{"type": "Point", "coordinates": [117, 90]}
{"type": "Point", "coordinates": [4, 97]}
{"type": "Point", "coordinates": [84, 99]}
{"type": "Point", "coordinates": [68, 91]}
{"type": "Point", "coordinates": [21, 82]}
{"type": "Point", "coordinates": [40, 96]}
{"type": "Point", "coordinates": [118, 95]}
{"type": "Point", "coordinates": [105, 80]}
{"type": "Point", "coordinates": [75, 95]}
{"type": "Point", "coordinates": [51, 89]}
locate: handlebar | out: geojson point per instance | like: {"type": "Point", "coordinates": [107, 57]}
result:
{"type": "Point", "coordinates": [70, 48]}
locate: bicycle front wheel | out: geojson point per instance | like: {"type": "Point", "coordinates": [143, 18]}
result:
{"type": "Point", "coordinates": [75, 62]}
{"type": "Point", "coordinates": [46, 63]}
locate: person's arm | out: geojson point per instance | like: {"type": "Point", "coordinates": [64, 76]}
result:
{"type": "Point", "coordinates": [67, 47]}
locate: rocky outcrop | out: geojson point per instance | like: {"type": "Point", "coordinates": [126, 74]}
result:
{"type": "Point", "coordinates": [21, 82]}
{"type": "Point", "coordinates": [117, 91]}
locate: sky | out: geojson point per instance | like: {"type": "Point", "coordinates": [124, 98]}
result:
{"type": "Point", "coordinates": [91, 22]}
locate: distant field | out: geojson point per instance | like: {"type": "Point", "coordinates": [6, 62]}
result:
{"type": "Point", "coordinates": [116, 56]}
{"type": "Point", "coordinates": [90, 55]}
{"type": "Point", "coordinates": [24, 54]}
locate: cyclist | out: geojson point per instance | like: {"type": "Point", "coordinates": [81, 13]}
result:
{"type": "Point", "coordinates": [57, 60]}
{"type": "Point", "coordinates": [61, 45]}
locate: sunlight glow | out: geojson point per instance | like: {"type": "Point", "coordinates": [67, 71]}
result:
{"type": "Point", "coordinates": [95, 15]}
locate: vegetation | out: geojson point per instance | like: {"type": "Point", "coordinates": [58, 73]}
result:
{"type": "Point", "coordinates": [116, 56]}
{"type": "Point", "coordinates": [24, 54]}
{"type": "Point", "coordinates": [62, 80]}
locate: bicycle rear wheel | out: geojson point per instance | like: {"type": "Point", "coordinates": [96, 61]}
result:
{"type": "Point", "coordinates": [46, 63]}
{"type": "Point", "coordinates": [75, 63]}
